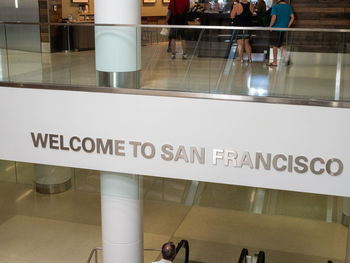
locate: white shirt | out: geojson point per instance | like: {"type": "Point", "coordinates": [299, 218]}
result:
{"type": "Point", "coordinates": [162, 261]}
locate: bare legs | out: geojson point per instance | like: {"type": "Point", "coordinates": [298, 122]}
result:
{"type": "Point", "coordinates": [248, 49]}
{"type": "Point", "coordinates": [243, 44]}
{"type": "Point", "coordinates": [173, 46]}
{"type": "Point", "coordinates": [275, 53]}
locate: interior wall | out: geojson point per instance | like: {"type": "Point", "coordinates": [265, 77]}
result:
{"type": "Point", "coordinates": [68, 8]}
{"type": "Point", "coordinates": [157, 9]}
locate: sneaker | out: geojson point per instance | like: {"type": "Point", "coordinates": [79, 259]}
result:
{"type": "Point", "coordinates": [184, 56]}
{"type": "Point", "coordinates": [173, 56]}
{"type": "Point", "coordinates": [168, 50]}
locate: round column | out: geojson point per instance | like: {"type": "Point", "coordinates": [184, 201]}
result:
{"type": "Point", "coordinates": [52, 179]}
{"type": "Point", "coordinates": [118, 48]}
{"type": "Point", "coordinates": [121, 205]}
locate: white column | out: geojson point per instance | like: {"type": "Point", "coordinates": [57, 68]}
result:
{"type": "Point", "coordinates": [121, 205]}
{"type": "Point", "coordinates": [118, 65]}
{"type": "Point", "coordinates": [345, 221]}
{"type": "Point", "coordinates": [118, 48]}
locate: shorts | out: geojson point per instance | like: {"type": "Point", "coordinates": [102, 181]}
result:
{"type": "Point", "coordinates": [176, 32]}
{"type": "Point", "coordinates": [277, 38]}
{"type": "Point", "coordinates": [243, 34]}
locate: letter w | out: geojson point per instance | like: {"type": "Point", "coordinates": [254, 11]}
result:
{"type": "Point", "coordinates": [40, 139]}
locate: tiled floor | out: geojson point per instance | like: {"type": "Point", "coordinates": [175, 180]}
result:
{"type": "Point", "coordinates": [222, 219]}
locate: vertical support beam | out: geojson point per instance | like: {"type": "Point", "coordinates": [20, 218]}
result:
{"type": "Point", "coordinates": [118, 48]}
{"type": "Point", "coordinates": [121, 204]}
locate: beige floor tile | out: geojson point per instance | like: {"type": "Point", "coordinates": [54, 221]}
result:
{"type": "Point", "coordinates": [163, 217]}
{"type": "Point", "coordinates": [39, 240]}
{"type": "Point", "coordinates": [284, 234]}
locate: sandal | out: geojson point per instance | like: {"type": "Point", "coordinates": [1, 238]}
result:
{"type": "Point", "coordinates": [271, 65]}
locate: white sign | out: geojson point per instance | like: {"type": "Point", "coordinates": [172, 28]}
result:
{"type": "Point", "coordinates": [288, 147]}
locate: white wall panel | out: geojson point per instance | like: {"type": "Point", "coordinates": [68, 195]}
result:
{"type": "Point", "coordinates": [211, 124]}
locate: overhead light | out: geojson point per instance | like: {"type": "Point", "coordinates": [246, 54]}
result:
{"type": "Point", "coordinates": [16, 3]}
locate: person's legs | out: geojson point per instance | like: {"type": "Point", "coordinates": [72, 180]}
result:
{"type": "Point", "coordinates": [169, 44]}
{"type": "Point", "coordinates": [240, 49]}
{"type": "Point", "coordinates": [275, 53]}
{"type": "Point", "coordinates": [173, 47]}
{"type": "Point", "coordinates": [248, 49]}
{"type": "Point", "coordinates": [284, 54]}
{"type": "Point", "coordinates": [183, 44]}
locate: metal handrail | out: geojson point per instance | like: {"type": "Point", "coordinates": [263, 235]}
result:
{"type": "Point", "coordinates": [243, 255]}
{"type": "Point", "coordinates": [94, 252]}
{"type": "Point", "coordinates": [182, 243]}
{"type": "Point", "coordinates": [297, 29]}
{"type": "Point", "coordinates": [96, 249]}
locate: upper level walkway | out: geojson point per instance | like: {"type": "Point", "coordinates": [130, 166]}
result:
{"type": "Point", "coordinates": [318, 70]}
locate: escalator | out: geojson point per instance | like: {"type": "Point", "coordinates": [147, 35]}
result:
{"type": "Point", "coordinates": [256, 258]}
{"type": "Point", "coordinates": [182, 252]}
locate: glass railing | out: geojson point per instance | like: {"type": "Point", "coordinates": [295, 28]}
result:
{"type": "Point", "coordinates": [318, 59]}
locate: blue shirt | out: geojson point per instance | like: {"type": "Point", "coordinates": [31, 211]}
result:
{"type": "Point", "coordinates": [283, 13]}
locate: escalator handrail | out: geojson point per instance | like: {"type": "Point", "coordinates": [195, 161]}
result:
{"type": "Point", "coordinates": [261, 257]}
{"type": "Point", "coordinates": [244, 253]}
{"type": "Point", "coordinates": [184, 244]}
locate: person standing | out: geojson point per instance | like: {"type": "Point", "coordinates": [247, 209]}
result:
{"type": "Point", "coordinates": [168, 253]}
{"type": "Point", "coordinates": [282, 16]}
{"type": "Point", "coordinates": [178, 8]}
{"type": "Point", "coordinates": [242, 15]}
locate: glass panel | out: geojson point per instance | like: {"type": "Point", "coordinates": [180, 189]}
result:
{"type": "Point", "coordinates": [25, 173]}
{"type": "Point", "coordinates": [7, 171]}
{"type": "Point", "coordinates": [4, 76]}
{"type": "Point", "coordinates": [87, 180]}
{"type": "Point", "coordinates": [317, 65]}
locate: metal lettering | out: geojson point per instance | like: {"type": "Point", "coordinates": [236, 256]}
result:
{"type": "Point", "coordinates": [167, 154]}
{"type": "Point", "coordinates": [301, 167]}
{"type": "Point", "coordinates": [290, 163]}
{"type": "Point", "coordinates": [200, 157]}
{"type": "Point", "coordinates": [53, 140]}
{"type": "Point", "coordinates": [71, 143]}
{"type": "Point", "coordinates": [275, 162]}
{"type": "Point", "coordinates": [119, 147]}
{"type": "Point", "coordinates": [143, 150]}
{"type": "Point", "coordinates": [181, 154]}
{"type": "Point", "coordinates": [62, 147]}
{"type": "Point", "coordinates": [39, 138]}
{"type": "Point", "coordinates": [312, 165]}
{"type": "Point", "coordinates": [216, 156]}
{"type": "Point", "coordinates": [230, 156]}
{"type": "Point", "coordinates": [135, 144]}
{"type": "Point", "coordinates": [104, 147]}
{"type": "Point", "coordinates": [92, 145]}
{"type": "Point", "coordinates": [246, 160]}
{"type": "Point", "coordinates": [340, 167]}
{"type": "Point", "coordinates": [266, 164]}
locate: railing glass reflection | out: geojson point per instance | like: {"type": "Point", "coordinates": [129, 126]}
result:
{"type": "Point", "coordinates": [318, 65]}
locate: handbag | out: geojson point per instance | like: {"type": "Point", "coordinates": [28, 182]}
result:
{"type": "Point", "coordinates": [164, 32]}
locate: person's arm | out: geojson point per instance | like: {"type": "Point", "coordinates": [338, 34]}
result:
{"type": "Point", "coordinates": [251, 7]}
{"type": "Point", "coordinates": [273, 20]}
{"type": "Point", "coordinates": [168, 15]}
{"type": "Point", "coordinates": [234, 12]}
{"type": "Point", "coordinates": [291, 21]}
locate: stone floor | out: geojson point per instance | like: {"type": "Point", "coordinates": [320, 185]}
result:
{"type": "Point", "coordinates": [218, 221]}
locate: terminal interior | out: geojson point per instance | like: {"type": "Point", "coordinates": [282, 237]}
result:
{"type": "Point", "coordinates": [217, 220]}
